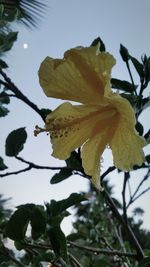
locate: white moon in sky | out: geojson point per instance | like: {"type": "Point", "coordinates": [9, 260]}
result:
{"type": "Point", "coordinates": [25, 45]}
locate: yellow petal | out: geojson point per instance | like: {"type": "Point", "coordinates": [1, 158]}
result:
{"type": "Point", "coordinates": [101, 62]}
{"type": "Point", "coordinates": [70, 126]}
{"type": "Point", "coordinates": [127, 147]}
{"type": "Point", "coordinates": [65, 82]}
{"type": "Point", "coordinates": [126, 144]}
{"type": "Point", "coordinates": [81, 76]}
{"type": "Point", "coordinates": [91, 154]}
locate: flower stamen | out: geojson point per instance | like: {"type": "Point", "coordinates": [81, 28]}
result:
{"type": "Point", "coordinates": [39, 130]}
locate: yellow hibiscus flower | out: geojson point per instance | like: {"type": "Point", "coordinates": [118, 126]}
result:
{"type": "Point", "coordinates": [102, 118]}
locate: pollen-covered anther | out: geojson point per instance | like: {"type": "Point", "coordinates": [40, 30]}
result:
{"type": "Point", "coordinates": [39, 130]}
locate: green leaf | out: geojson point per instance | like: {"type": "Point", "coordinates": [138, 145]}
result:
{"type": "Point", "coordinates": [12, 37]}
{"type": "Point", "coordinates": [17, 225]}
{"type": "Point", "coordinates": [45, 112]}
{"type": "Point", "coordinates": [138, 66]}
{"type": "Point", "coordinates": [58, 242]}
{"type": "Point", "coordinates": [139, 127]}
{"type": "Point", "coordinates": [102, 45]}
{"type": "Point", "coordinates": [122, 85]}
{"type": "Point", "coordinates": [62, 205]}
{"type": "Point", "coordinates": [7, 40]}
{"type": "Point", "coordinates": [145, 262]}
{"type": "Point", "coordinates": [3, 64]}
{"type": "Point", "coordinates": [19, 245]}
{"type": "Point", "coordinates": [3, 111]}
{"type": "Point", "coordinates": [74, 162]}
{"type": "Point", "coordinates": [147, 158]}
{"type": "Point", "coordinates": [38, 221]}
{"type": "Point", "coordinates": [4, 99]}
{"type": "Point", "coordinates": [2, 165]}
{"type": "Point", "coordinates": [124, 53]}
{"type": "Point", "coordinates": [62, 175]}
{"type": "Point", "coordinates": [15, 142]}
{"type": "Point", "coordinates": [12, 16]}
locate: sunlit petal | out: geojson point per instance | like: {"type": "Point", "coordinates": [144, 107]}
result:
{"type": "Point", "coordinates": [127, 147]}
{"type": "Point", "coordinates": [71, 79]}
{"type": "Point", "coordinates": [70, 126]}
{"type": "Point", "coordinates": [91, 154]}
{"type": "Point", "coordinates": [126, 144]}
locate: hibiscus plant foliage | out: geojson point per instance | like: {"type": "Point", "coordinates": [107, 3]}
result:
{"type": "Point", "coordinates": [103, 234]}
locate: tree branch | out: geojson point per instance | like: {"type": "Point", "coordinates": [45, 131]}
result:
{"type": "Point", "coordinates": [12, 87]}
{"type": "Point", "coordinates": [140, 253]}
{"type": "Point", "coordinates": [74, 260]}
{"type": "Point", "coordinates": [103, 251]}
{"type": "Point", "coordinates": [126, 178]}
{"type": "Point", "coordinates": [15, 172]}
{"type": "Point", "coordinates": [110, 169]}
{"type": "Point", "coordinates": [5, 251]}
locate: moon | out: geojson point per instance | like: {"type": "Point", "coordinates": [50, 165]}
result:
{"type": "Point", "coordinates": [25, 45]}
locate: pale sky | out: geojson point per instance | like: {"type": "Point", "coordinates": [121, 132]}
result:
{"type": "Point", "coordinates": [67, 24]}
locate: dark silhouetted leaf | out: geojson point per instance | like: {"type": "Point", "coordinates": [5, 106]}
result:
{"type": "Point", "coordinates": [124, 53]}
{"type": "Point", "coordinates": [74, 162]}
{"type": "Point", "coordinates": [62, 175]}
{"type": "Point", "coordinates": [7, 40]}
{"type": "Point", "coordinates": [139, 127]}
{"type": "Point", "coordinates": [3, 111]}
{"type": "Point", "coordinates": [2, 165]}
{"type": "Point", "coordinates": [28, 12]}
{"type": "Point", "coordinates": [15, 142]}
{"type": "Point", "coordinates": [138, 66]}
{"type": "Point", "coordinates": [45, 112]}
{"type": "Point", "coordinates": [17, 225]}
{"type": "Point", "coordinates": [4, 99]}
{"type": "Point", "coordinates": [58, 242]}
{"type": "Point", "coordinates": [148, 158]}
{"type": "Point", "coordinates": [3, 64]}
{"type": "Point", "coordinates": [122, 85]}
{"type": "Point", "coordinates": [12, 37]}
{"type": "Point", "coordinates": [102, 45]}
{"type": "Point", "coordinates": [62, 205]}
{"type": "Point", "coordinates": [38, 221]}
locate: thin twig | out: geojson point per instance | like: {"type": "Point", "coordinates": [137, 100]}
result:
{"type": "Point", "coordinates": [110, 169]}
{"type": "Point", "coordinates": [142, 193]}
{"type": "Point", "coordinates": [103, 251]}
{"type": "Point", "coordinates": [126, 177]}
{"type": "Point", "coordinates": [74, 260]}
{"type": "Point", "coordinates": [15, 172]}
{"type": "Point", "coordinates": [134, 197]}
{"type": "Point", "coordinates": [129, 188]}
{"type": "Point", "coordinates": [31, 166]}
